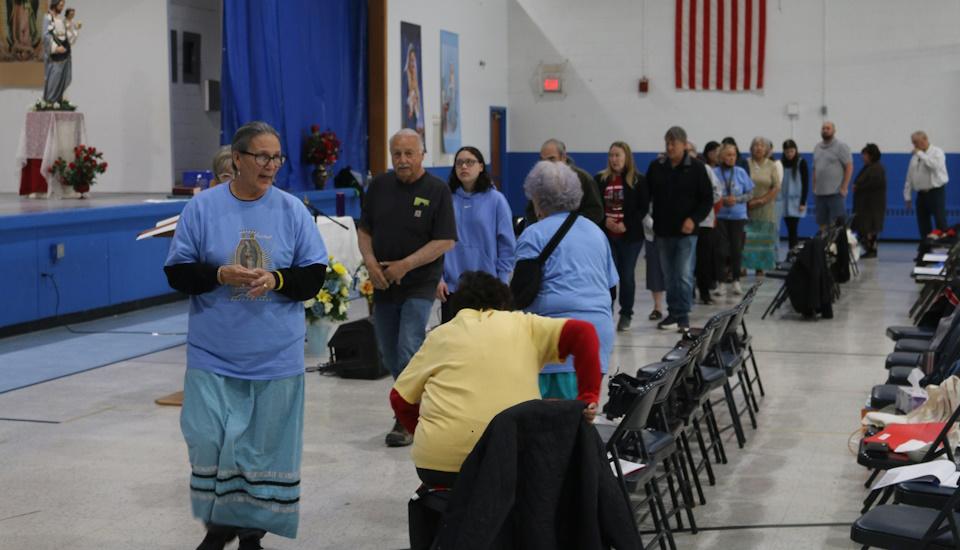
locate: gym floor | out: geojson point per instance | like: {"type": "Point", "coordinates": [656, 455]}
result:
{"type": "Point", "coordinates": [89, 462]}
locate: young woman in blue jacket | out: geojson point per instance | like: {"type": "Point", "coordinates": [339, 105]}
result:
{"type": "Point", "coordinates": [485, 238]}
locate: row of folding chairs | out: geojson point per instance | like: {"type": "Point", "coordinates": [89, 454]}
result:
{"type": "Point", "coordinates": [666, 421]}
{"type": "Point", "coordinates": [936, 269]}
{"type": "Point", "coordinates": [914, 514]}
{"type": "Point", "coordinates": [922, 514]}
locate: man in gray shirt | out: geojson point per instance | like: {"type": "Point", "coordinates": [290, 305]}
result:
{"type": "Point", "coordinates": [832, 168]}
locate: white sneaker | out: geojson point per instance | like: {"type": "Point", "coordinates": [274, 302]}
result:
{"type": "Point", "coordinates": [719, 292]}
{"type": "Point", "coordinates": [735, 289]}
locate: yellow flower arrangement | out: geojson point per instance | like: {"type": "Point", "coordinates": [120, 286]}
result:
{"type": "Point", "coordinates": [332, 301]}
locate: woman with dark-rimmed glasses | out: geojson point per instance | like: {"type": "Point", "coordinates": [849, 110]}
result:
{"type": "Point", "coordinates": [248, 255]}
{"type": "Point", "coordinates": [485, 237]}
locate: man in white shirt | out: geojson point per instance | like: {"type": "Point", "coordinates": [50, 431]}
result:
{"type": "Point", "coordinates": [927, 175]}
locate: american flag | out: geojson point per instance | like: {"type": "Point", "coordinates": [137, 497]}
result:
{"type": "Point", "coordinates": [719, 44]}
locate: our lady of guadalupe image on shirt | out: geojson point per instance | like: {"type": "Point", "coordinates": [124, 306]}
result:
{"type": "Point", "coordinates": [251, 255]}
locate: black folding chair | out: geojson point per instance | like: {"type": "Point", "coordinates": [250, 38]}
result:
{"type": "Point", "coordinates": [726, 356]}
{"type": "Point", "coordinates": [625, 442]}
{"type": "Point", "coordinates": [934, 284]}
{"type": "Point", "coordinates": [902, 526]}
{"type": "Point", "coordinates": [880, 461]}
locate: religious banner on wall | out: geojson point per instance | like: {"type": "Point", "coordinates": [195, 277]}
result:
{"type": "Point", "coordinates": [450, 91]}
{"type": "Point", "coordinates": [21, 43]}
{"type": "Point", "coordinates": [411, 79]}
{"type": "Point", "coordinates": [720, 44]}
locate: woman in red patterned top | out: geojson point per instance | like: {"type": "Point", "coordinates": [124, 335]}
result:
{"type": "Point", "coordinates": [625, 203]}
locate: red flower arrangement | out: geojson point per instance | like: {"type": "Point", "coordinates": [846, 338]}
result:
{"type": "Point", "coordinates": [82, 172]}
{"type": "Point", "coordinates": [321, 149]}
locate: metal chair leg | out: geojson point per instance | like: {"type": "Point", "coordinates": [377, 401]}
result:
{"type": "Point", "coordinates": [746, 399]}
{"type": "Point", "coordinates": [756, 371]}
{"type": "Point", "coordinates": [734, 415]}
{"type": "Point", "coordinates": [704, 452]}
{"type": "Point", "coordinates": [752, 401]}
{"type": "Point", "coordinates": [716, 441]}
{"type": "Point", "coordinates": [693, 467]}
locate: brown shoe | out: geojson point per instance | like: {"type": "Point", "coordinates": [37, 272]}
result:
{"type": "Point", "coordinates": [398, 436]}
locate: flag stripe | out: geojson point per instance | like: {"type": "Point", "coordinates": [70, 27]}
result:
{"type": "Point", "coordinates": [721, 60]}
{"type": "Point", "coordinates": [747, 43]}
{"type": "Point", "coordinates": [692, 45]}
{"type": "Point", "coordinates": [761, 42]}
{"type": "Point", "coordinates": [734, 39]}
{"type": "Point", "coordinates": [678, 44]}
{"type": "Point", "coordinates": [705, 46]}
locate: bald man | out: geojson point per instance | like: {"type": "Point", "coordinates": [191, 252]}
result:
{"type": "Point", "coordinates": [832, 168]}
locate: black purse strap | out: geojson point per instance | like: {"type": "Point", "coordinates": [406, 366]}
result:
{"type": "Point", "coordinates": [557, 237]}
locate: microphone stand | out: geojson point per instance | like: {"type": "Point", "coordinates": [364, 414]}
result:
{"type": "Point", "coordinates": [315, 212]}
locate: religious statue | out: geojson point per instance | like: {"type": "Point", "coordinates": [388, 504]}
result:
{"type": "Point", "coordinates": [60, 32]}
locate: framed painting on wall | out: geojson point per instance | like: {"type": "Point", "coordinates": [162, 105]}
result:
{"type": "Point", "coordinates": [450, 91]}
{"type": "Point", "coordinates": [21, 43]}
{"type": "Point", "coordinates": [411, 79]}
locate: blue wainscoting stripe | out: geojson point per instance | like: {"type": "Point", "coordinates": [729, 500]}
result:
{"type": "Point", "coordinates": [442, 172]}
{"type": "Point", "coordinates": [899, 224]}
{"type": "Point", "coordinates": [104, 265]}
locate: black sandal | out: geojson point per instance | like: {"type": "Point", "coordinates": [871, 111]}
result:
{"type": "Point", "coordinates": [655, 315]}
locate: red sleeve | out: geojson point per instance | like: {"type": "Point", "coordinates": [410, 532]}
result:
{"type": "Point", "coordinates": [407, 413]}
{"type": "Point", "coordinates": [580, 339]}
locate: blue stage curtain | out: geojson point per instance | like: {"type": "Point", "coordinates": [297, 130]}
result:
{"type": "Point", "coordinates": [294, 63]}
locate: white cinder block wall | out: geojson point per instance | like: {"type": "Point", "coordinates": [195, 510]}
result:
{"type": "Point", "coordinates": [891, 67]}
{"type": "Point", "coordinates": [120, 82]}
{"type": "Point", "coordinates": [482, 28]}
{"type": "Point", "coordinates": [195, 132]}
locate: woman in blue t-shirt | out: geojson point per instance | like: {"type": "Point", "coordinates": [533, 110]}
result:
{"type": "Point", "coordinates": [485, 239]}
{"type": "Point", "coordinates": [248, 255]}
{"type": "Point", "coordinates": [578, 278]}
{"type": "Point", "coordinates": [732, 216]}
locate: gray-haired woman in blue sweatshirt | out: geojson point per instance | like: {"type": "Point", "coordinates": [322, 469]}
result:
{"type": "Point", "coordinates": [485, 239]}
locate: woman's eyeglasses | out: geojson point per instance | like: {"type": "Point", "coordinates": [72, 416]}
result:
{"type": "Point", "coordinates": [469, 163]}
{"type": "Point", "coordinates": [262, 159]}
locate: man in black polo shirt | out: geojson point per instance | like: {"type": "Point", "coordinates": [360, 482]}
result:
{"type": "Point", "coordinates": [406, 225]}
{"type": "Point", "coordinates": [682, 197]}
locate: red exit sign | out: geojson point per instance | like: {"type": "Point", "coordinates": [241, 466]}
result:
{"type": "Point", "coordinates": [551, 84]}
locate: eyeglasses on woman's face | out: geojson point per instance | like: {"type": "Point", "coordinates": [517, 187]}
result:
{"type": "Point", "coordinates": [469, 163]}
{"type": "Point", "coordinates": [262, 159]}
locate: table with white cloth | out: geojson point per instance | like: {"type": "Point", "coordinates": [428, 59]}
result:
{"type": "Point", "coordinates": [45, 137]}
{"type": "Point", "coordinates": [340, 236]}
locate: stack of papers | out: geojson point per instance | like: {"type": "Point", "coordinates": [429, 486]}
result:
{"type": "Point", "coordinates": [164, 228]}
{"type": "Point", "coordinates": [943, 472]}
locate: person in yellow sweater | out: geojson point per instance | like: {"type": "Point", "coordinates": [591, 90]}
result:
{"type": "Point", "coordinates": [483, 361]}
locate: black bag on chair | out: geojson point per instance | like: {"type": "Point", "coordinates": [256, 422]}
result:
{"type": "Point", "coordinates": [622, 390]}
{"type": "Point", "coordinates": [528, 274]}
